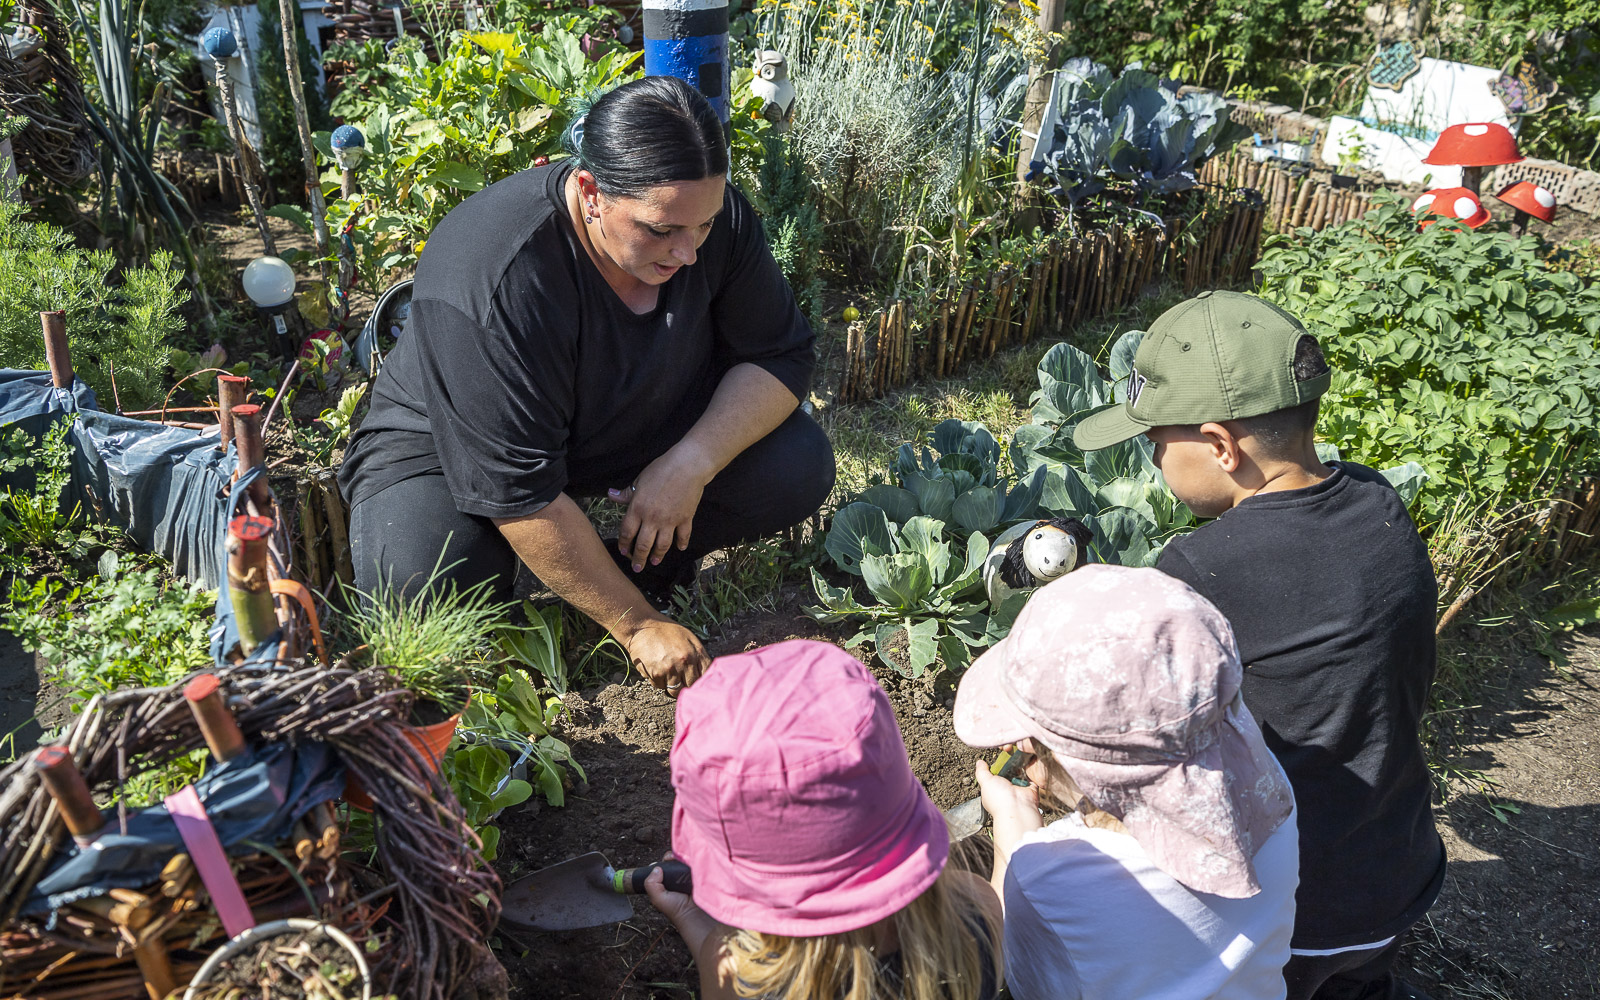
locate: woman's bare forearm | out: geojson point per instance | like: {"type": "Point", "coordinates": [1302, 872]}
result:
{"type": "Point", "coordinates": [749, 403]}
{"type": "Point", "coordinates": [560, 546]}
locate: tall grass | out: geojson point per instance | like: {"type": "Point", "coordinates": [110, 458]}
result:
{"type": "Point", "coordinates": [432, 636]}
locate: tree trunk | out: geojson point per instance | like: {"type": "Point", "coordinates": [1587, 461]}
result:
{"type": "Point", "coordinates": [1041, 77]}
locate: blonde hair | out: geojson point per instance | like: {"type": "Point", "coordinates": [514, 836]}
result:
{"type": "Point", "coordinates": [940, 958]}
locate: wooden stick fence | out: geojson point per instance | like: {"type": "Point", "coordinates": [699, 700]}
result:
{"type": "Point", "coordinates": [1069, 280]}
{"type": "Point", "coordinates": [1292, 199]}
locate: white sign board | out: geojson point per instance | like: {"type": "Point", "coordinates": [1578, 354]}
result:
{"type": "Point", "coordinates": [1440, 94]}
{"type": "Point", "coordinates": [1350, 143]}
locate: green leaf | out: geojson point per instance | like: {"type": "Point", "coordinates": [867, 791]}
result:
{"type": "Point", "coordinates": [1573, 614]}
{"type": "Point", "coordinates": [935, 497]}
{"type": "Point", "coordinates": [1121, 362]}
{"type": "Point", "coordinates": [901, 580]}
{"type": "Point", "coordinates": [922, 537]}
{"type": "Point", "coordinates": [299, 217]}
{"type": "Point", "coordinates": [954, 654]}
{"type": "Point", "coordinates": [897, 504]}
{"type": "Point", "coordinates": [1407, 480]}
{"type": "Point", "coordinates": [457, 175]}
{"type": "Point", "coordinates": [978, 509]}
{"type": "Point", "coordinates": [1066, 494]}
{"type": "Point", "coordinates": [858, 529]}
{"type": "Point", "coordinates": [1120, 537]}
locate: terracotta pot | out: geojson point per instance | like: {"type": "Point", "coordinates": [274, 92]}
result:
{"type": "Point", "coordinates": [430, 741]}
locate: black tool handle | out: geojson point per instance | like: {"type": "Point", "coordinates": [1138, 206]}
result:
{"type": "Point", "coordinates": [675, 873]}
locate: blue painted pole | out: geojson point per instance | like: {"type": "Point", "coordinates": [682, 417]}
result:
{"type": "Point", "coordinates": [688, 39]}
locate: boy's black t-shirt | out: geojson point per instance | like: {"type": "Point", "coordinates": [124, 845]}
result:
{"type": "Point", "coordinates": [1332, 599]}
{"type": "Point", "coordinates": [522, 375]}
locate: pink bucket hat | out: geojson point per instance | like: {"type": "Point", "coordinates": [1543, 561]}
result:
{"type": "Point", "coordinates": [1133, 679]}
{"type": "Point", "coordinates": [796, 807]}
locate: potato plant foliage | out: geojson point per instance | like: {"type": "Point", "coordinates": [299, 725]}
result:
{"type": "Point", "coordinates": [1459, 350]}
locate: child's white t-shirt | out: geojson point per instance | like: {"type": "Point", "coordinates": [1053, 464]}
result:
{"type": "Point", "coordinates": [1088, 916]}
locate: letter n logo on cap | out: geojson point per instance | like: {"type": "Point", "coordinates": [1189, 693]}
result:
{"type": "Point", "coordinates": [1135, 387]}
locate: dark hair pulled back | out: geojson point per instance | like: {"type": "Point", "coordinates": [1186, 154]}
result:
{"type": "Point", "coordinates": [658, 130]}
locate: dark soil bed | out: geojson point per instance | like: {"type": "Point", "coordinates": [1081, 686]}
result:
{"type": "Point", "coordinates": [621, 734]}
{"type": "Point", "coordinates": [1517, 920]}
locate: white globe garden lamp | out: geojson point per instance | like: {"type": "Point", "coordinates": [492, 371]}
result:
{"type": "Point", "coordinates": [269, 282]}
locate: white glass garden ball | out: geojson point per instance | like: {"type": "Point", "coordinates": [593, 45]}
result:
{"type": "Point", "coordinates": [269, 282]}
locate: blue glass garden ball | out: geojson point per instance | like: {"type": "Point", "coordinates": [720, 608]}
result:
{"type": "Point", "coordinates": [219, 43]}
{"type": "Point", "coordinates": [348, 137]}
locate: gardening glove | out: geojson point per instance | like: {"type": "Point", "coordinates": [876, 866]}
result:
{"type": "Point", "coordinates": [661, 507]}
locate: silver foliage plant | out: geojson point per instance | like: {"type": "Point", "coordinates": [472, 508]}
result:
{"type": "Point", "coordinates": [873, 98]}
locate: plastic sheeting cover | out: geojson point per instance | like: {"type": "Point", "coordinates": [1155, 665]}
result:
{"type": "Point", "coordinates": [255, 797]}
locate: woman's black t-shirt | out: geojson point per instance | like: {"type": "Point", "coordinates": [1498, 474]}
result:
{"type": "Point", "coordinates": [522, 375]}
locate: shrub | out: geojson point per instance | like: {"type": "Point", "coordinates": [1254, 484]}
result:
{"type": "Point", "coordinates": [1460, 350]}
{"type": "Point", "coordinates": [493, 103]}
{"type": "Point", "coordinates": [126, 324]}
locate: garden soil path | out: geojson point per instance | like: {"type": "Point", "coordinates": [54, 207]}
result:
{"type": "Point", "coordinates": [1518, 917]}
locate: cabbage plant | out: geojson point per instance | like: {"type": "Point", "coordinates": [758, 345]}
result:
{"type": "Point", "coordinates": [1134, 127]}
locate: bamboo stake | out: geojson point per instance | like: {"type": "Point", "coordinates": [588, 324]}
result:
{"type": "Point", "coordinates": [236, 135]}
{"type": "Point", "coordinates": [963, 325]}
{"type": "Point", "coordinates": [1038, 277]}
{"type": "Point", "coordinates": [876, 387]}
{"type": "Point", "coordinates": [248, 587]}
{"type": "Point", "coordinates": [941, 344]}
{"type": "Point", "coordinates": [217, 724]}
{"type": "Point", "coordinates": [57, 353]}
{"type": "Point", "coordinates": [232, 390]}
{"type": "Point", "coordinates": [1302, 200]}
{"type": "Point", "coordinates": [311, 528]}
{"type": "Point", "coordinates": [289, 16]}
{"type": "Point", "coordinates": [250, 451]}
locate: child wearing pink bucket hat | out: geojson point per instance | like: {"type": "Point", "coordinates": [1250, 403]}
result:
{"type": "Point", "coordinates": [1174, 876]}
{"type": "Point", "coordinates": [818, 860]}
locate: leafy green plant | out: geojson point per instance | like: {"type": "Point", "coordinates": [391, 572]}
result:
{"type": "Point", "coordinates": [516, 718]}
{"type": "Point", "coordinates": [928, 587]}
{"type": "Point", "coordinates": [34, 529]}
{"type": "Point", "coordinates": [129, 129]}
{"type": "Point", "coordinates": [130, 626]}
{"type": "Point", "coordinates": [930, 595]}
{"type": "Point", "coordinates": [480, 776]}
{"type": "Point", "coordinates": [492, 103]}
{"type": "Point", "coordinates": [1117, 492]}
{"type": "Point", "coordinates": [1133, 128]}
{"type": "Point", "coordinates": [1460, 350]}
{"type": "Point", "coordinates": [120, 326]}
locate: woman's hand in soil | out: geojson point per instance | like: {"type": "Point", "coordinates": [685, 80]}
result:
{"type": "Point", "coordinates": [661, 507]}
{"type": "Point", "coordinates": [667, 653]}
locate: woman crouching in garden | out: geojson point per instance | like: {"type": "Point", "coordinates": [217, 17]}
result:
{"type": "Point", "coordinates": [1174, 874]}
{"type": "Point", "coordinates": [609, 325]}
{"type": "Point", "coordinates": [818, 860]}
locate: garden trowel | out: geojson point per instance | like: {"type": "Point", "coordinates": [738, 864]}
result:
{"type": "Point", "coordinates": [966, 818]}
{"type": "Point", "coordinates": [582, 892]}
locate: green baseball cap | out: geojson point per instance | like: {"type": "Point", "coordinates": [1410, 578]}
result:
{"type": "Point", "coordinates": [1217, 356]}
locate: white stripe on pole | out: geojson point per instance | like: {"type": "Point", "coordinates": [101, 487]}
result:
{"type": "Point", "coordinates": [684, 5]}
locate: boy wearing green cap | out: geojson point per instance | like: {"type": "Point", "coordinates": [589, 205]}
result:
{"type": "Point", "coordinates": [1331, 595]}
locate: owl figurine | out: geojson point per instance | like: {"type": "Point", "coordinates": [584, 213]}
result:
{"type": "Point", "coordinates": [771, 84]}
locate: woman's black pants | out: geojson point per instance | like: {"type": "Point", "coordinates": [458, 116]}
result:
{"type": "Point", "coordinates": [401, 533]}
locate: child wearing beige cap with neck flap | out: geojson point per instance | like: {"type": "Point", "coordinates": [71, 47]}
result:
{"type": "Point", "coordinates": [1174, 875]}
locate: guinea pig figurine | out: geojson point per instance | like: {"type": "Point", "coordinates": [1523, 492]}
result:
{"type": "Point", "coordinates": [1030, 555]}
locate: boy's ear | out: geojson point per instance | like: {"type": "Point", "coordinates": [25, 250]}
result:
{"type": "Point", "coordinates": [1224, 446]}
